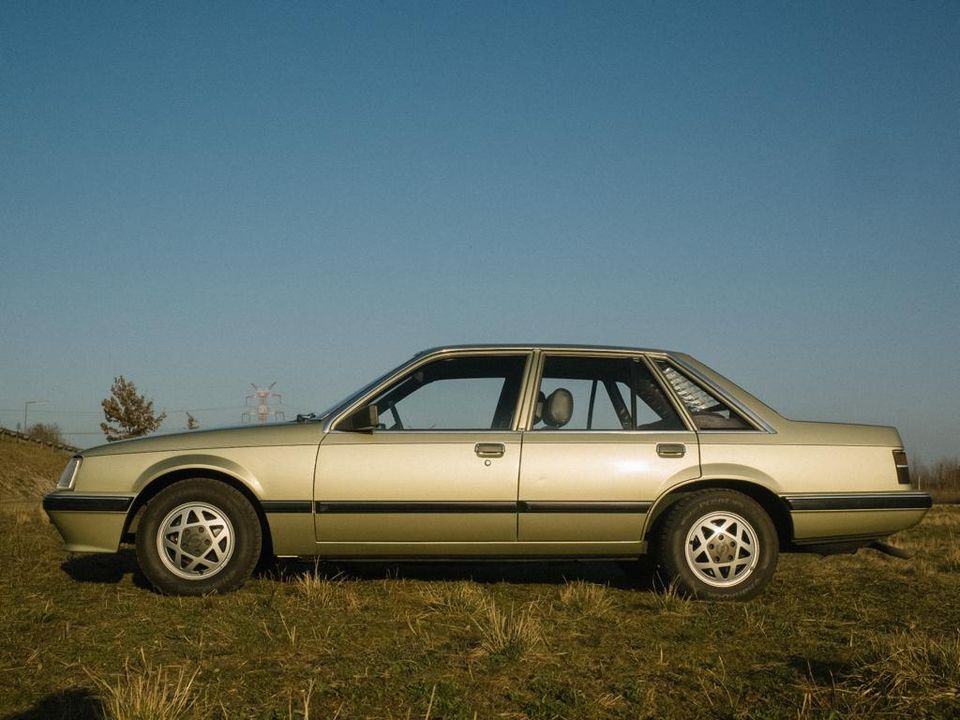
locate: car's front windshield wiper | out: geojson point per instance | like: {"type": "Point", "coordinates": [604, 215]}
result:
{"type": "Point", "coordinates": [302, 418]}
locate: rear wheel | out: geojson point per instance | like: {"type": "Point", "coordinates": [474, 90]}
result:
{"type": "Point", "coordinates": [717, 545]}
{"type": "Point", "coordinates": [198, 536]}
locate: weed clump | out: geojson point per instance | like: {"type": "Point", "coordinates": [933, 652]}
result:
{"type": "Point", "coordinates": [151, 693]}
{"type": "Point", "coordinates": [586, 598]}
{"type": "Point", "coordinates": [510, 633]}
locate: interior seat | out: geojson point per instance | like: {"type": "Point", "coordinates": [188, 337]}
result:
{"type": "Point", "coordinates": [558, 408]}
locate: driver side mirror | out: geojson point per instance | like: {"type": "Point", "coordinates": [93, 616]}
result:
{"type": "Point", "coordinates": [365, 419]}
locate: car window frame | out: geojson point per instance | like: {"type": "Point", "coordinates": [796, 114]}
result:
{"type": "Point", "coordinates": [757, 424]}
{"type": "Point", "coordinates": [402, 372]}
{"type": "Point", "coordinates": [537, 377]}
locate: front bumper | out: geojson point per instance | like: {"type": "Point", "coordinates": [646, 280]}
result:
{"type": "Point", "coordinates": [88, 523]}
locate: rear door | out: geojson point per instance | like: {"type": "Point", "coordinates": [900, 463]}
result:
{"type": "Point", "coordinates": [604, 441]}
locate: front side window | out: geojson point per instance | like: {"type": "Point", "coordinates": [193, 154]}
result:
{"type": "Point", "coordinates": [599, 393]}
{"type": "Point", "coordinates": [708, 412]}
{"type": "Point", "coordinates": [460, 393]}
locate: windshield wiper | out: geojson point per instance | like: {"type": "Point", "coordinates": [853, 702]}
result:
{"type": "Point", "coordinates": [306, 418]}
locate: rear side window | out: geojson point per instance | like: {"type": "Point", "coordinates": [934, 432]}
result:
{"type": "Point", "coordinates": [708, 412]}
{"type": "Point", "coordinates": [600, 393]}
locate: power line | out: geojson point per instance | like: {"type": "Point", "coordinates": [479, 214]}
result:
{"type": "Point", "coordinates": [100, 412]}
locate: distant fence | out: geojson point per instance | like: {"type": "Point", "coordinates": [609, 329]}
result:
{"type": "Point", "coordinates": [20, 437]}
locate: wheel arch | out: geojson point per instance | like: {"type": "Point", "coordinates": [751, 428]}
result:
{"type": "Point", "coordinates": [166, 479]}
{"type": "Point", "coordinates": [771, 503]}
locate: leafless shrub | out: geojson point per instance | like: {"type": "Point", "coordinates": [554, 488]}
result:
{"type": "Point", "coordinates": [941, 479]}
{"type": "Point", "coordinates": [45, 433]}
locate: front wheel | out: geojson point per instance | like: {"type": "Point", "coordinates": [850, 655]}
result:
{"type": "Point", "coordinates": [198, 536]}
{"type": "Point", "coordinates": [717, 545]}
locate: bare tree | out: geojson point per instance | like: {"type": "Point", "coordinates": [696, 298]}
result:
{"type": "Point", "coordinates": [48, 433]}
{"type": "Point", "coordinates": [132, 412]}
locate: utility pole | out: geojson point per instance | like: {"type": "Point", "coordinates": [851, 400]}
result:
{"type": "Point", "coordinates": [27, 404]}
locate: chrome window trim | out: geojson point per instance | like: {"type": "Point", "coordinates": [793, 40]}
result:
{"type": "Point", "coordinates": [436, 431]}
{"type": "Point", "coordinates": [561, 431]}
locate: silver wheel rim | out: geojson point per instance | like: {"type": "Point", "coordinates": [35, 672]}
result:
{"type": "Point", "coordinates": [195, 541]}
{"type": "Point", "coordinates": [722, 549]}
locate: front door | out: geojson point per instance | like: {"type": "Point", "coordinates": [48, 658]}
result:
{"type": "Point", "coordinates": [442, 467]}
{"type": "Point", "coordinates": [604, 442]}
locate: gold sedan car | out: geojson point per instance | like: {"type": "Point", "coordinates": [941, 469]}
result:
{"type": "Point", "coordinates": [499, 452]}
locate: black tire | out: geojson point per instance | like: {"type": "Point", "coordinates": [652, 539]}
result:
{"type": "Point", "coordinates": [717, 545]}
{"type": "Point", "coordinates": [198, 536]}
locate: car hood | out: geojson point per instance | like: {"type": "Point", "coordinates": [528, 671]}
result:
{"type": "Point", "coordinates": [291, 433]}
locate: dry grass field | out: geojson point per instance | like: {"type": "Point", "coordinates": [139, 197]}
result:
{"type": "Point", "coordinates": [27, 470]}
{"type": "Point", "coordinates": [863, 636]}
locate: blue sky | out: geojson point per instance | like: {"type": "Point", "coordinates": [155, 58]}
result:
{"type": "Point", "coordinates": [201, 196]}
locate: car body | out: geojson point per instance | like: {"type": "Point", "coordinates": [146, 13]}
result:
{"type": "Point", "coordinates": [501, 452]}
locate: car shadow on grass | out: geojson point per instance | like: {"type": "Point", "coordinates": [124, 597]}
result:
{"type": "Point", "coordinates": [105, 568]}
{"type": "Point", "coordinates": [71, 704]}
{"type": "Point", "coordinates": [112, 568]}
{"type": "Point", "coordinates": [626, 575]}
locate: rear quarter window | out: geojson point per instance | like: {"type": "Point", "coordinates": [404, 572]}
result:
{"type": "Point", "coordinates": [707, 410]}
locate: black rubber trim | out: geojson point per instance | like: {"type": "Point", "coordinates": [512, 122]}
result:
{"type": "Point", "coordinates": [86, 503]}
{"type": "Point", "coordinates": [584, 507]}
{"type": "Point", "coordinates": [481, 507]}
{"type": "Point", "coordinates": [886, 501]}
{"type": "Point", "coordinates": [287, 506]}
{"type": "Point", "coordinates": [415, 507]}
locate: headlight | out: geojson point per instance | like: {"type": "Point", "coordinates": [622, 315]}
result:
{"type": "Point", "coordinates": [69, 474]}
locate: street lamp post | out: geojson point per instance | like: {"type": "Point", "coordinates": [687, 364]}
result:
{"type": "Point", "coordinates": [27, 404]}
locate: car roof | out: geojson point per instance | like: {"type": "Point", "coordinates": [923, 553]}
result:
{"type": "Point", "coordinates": [541, 346]}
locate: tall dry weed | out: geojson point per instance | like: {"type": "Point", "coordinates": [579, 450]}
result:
{"type": "Point", "coordinates": [460, 596]}
{"type": "Point", "coordinates": [586, 598]}
{"type": "Point", "coordinates": [905, 674]}
{"type": "Point", "coordinates": [508, 632]}
{"type": "Point", "coordinates": [323, 592]}
{"type": "Point", "coordinates": [151, 693]}
{"type": "Point", "coordinates": [910, 669]}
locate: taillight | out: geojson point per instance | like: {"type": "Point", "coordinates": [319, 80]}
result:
{"type": "Point", "coordinates": [903, 468]}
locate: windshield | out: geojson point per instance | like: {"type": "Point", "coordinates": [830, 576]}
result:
{"type": "Point", "coordinates": [354, 396]}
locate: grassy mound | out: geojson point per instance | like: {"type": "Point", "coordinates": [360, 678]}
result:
{"type": "Point", "coordinates": [28, 471]}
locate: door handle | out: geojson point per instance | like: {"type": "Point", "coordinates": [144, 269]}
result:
{"type": "Point", "coordinates": [671, 450]}
{"type": "Point", "coordinates": [489, 450]}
